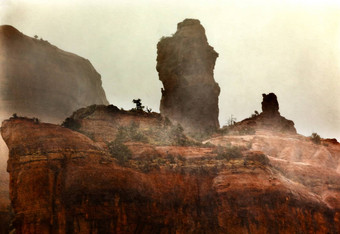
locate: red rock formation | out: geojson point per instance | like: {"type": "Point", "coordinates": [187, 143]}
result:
{"type": "Point", "coordinates": [268, 119]}
{"type": "Point", "coordinates": [38, 79]}
{"type": "Point", "coordinates": [62, 181]}
{"type": "Point", "coordinates": [185, 64]}
{"type": "Point", "coordinates": [315, 166]}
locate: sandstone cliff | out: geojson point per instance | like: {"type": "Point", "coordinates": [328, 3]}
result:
{"type": "Point", "coordinates": [64, 182]}
{"type": "Point", "coordinates": [185, 64]}
{"type": "Point", "coordinates": [38, 79]}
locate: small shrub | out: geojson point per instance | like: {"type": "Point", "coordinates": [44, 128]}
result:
{"type": "Point", "coordinates": [167, 122]}
{"type": "Point", "coordinates": [223, 131]}
{"type": "Point", "coordinates": [261, 158]}
{"type": "Point", "coordinates": [181, 158]}
{"type": "Point", "coordinates": [234, 152]}
{"type": "Point", "coordinates": [71, 124]}
{"type": "Point", "coordinates": [119, 151]}
{"type": "Point", "coordinates": [139, 137]}
{"type": "Point", "coordinates": [138, 103]}
{"type": "Point", "coordinates": [146, 168]}
{"type": "Point", "coordinates": [149, 110]}
{"type": "Point", "coordinates": [131, 133]}
{"type": "Point", "coordinates": [315, 138]}
{"type": "Point", "coordinates": [256, 113]}
{"type": "Point", "coordinates": [231, 121]}
{"type": "Point", "coordinates": [177, 135]}
{"type": "Point", "coordinates": [228, 153]}
{"type": "Point", "coordinates": [171, 158]}
{"type": "Point", "coordinates": [87, 111]}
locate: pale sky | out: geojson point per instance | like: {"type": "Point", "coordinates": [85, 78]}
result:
{"type": "Point", "coordinates": [291, 48]}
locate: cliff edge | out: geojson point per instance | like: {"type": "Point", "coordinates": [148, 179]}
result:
{"type": "Point", "coordinates": [39, 80]}
{"type": "Point", "coordinates": [69, 181]}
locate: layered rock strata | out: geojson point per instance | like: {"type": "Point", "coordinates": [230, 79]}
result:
{"type": "Point", "coordinates": [185, 64]}
{"type": "Point", "coordinates": [64, 182]}
{"type": "Point", "coordinates": [38, 79]}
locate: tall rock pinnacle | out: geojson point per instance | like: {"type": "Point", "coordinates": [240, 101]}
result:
{"type": "Point", "coordinates": [185, 64]}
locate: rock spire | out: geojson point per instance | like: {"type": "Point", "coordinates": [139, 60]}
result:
{"type": "Point", "coordinates": [185, 64]}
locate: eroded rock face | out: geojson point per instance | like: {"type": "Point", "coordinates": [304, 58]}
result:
{"type": "Point", "coordinates": [38, 79]}
{"type": "Point", "coordinates": [62, 181]}
{"type": "Point", "coordinates": [185, 64]}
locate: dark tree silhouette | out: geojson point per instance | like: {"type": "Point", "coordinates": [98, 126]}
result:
{"type": "Point", "coordinates": [138, 103]}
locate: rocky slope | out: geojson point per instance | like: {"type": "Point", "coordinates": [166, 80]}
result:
{"type": "Point", "coordinates": [38, 79]}
{"type": "Point", "coordinates": [268, 182]}
{"type": "Point", "coordinates": [185, 64]}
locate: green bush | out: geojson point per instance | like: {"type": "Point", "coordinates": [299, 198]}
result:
{"type": "Point", "coordinates": [71, 124]}
{"type": "Point", "coordinates": [119, 151]}
{"type": "Point", "coordinates": [171, 158]}
{"type": "Point", "coordinates": [181, 158]}
{"type": "Point", "coordinates": [315, 138]}
{"type": "Point", "coordinates": [261, 158]}
{"type": "Point", "coordinates": [228, 153]}
{"type": "Point", "coordinates": [131, 133]}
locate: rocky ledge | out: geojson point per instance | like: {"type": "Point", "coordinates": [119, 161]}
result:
{"type": "Point", "coordinates": [72, 181]}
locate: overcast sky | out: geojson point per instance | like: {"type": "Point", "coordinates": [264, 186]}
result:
{"type": "Point", "coordinates": [291, 49]}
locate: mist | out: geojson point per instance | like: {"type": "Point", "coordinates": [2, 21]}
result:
{"type": "Point", "coordinates": [291, 49]}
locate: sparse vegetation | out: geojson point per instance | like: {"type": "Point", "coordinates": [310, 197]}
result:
{"type": "Point", "coordinates": [246, 131]}
{"type": "Point", "coordinates": [260, 158]}
{"type": "Point", "coordinates": [149, 110]}
{"type": "Point", "coordinates": [228, 153]}
{"type": "Point", "coordinates": [231, 121]}
{"type": "Point", "coordinates": [315, 138]}
{"type": "Point", "coordinates": [71, 124]}
{"type": "Point", "coordinates": [131, 133]}
{"type": "Point", "coordinates": [119, 151]}
{"type": "Point", "coordinates": [138, 103]}
{"type": "Point", "coordinates": [171, 158]}
{"type": "Point", "coordinates": [34, 119]}
{"type": "Point", "coordinates": [256, 113]}
{"type": "Point", "coordinates": [84, 112]}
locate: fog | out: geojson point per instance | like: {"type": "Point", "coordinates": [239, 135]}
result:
{"type": "Point", "coordinates": [291, 49]}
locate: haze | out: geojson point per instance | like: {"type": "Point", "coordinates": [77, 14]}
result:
{"type": "Point", "coordinates": [291, 49]}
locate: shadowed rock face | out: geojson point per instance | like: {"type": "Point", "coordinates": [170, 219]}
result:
{"type": "Point", "coordinates": [38, 79]}
{"type": "Point", "coordinates": [64, 182]}
{"type": "Point", "coordinates": [185, 64]}
{"type": "Point", "coordinates": [270, 106]}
